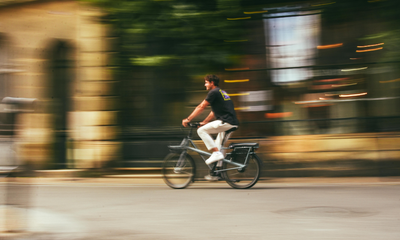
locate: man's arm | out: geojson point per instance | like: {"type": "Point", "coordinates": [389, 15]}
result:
{"type": "Point", "coordinates": [208, 118]}
{"type": "Point", "coordinates": [199, 109]}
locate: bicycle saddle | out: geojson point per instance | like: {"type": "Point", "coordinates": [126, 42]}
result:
{"type": "Point", "coordinates": [252, 145]}
{"type": "Point", "coordinates": [231, 130]}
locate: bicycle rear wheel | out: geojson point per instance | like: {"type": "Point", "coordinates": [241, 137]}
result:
{"type": "Point", "coordinates": [178, 176]}
{"type": "Point", "coordinates": [242, 178]}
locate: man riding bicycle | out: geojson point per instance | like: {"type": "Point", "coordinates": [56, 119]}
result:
{"type": "Point", "coordinates": [224, 113]}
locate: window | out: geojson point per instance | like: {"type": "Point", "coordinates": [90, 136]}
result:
{"type": "Point", "coordinates": [292, 38]}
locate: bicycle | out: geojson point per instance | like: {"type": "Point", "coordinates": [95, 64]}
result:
{"type": "Point", "coordinates": [240, 168]}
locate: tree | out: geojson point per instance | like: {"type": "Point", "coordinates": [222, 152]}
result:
{"type": "Point", "coordinates": [162, 44]}
{"type": "Point", "coordinates": [194, 34]}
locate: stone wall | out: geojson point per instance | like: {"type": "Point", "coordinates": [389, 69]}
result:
{"type": "Point", "coordinates": [30, 31]}
{"type": "Point", "coordinates": [95, 121]}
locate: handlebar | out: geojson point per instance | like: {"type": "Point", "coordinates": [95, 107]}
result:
{"type": "Point", "coordinates": [194, 125]}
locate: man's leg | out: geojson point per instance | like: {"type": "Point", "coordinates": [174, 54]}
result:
{"type": "Point", "coordinates": [221, 141]}
{"type": "Point", "coordinates": [213, 128]}
{"type": "Point", "coordinates": [205, 131]}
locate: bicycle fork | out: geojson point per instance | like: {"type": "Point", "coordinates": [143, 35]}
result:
{"type": "Point", "coordinates": [181, 161]}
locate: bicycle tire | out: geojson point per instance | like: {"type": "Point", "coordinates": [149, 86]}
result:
{"type": "Point", "coordinates": [178, 179]}
{"type": "Point", "coordinates": [245, 178]}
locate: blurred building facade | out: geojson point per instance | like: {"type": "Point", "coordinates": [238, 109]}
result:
{"type": "Point", "coordinates": [303, 74]}
{"type": "Point", "coordinates": [316, 67]}
{"type": "Point", "coordinates": [321, 75]}
{"type": "Point", "coordinates": [57, 52]}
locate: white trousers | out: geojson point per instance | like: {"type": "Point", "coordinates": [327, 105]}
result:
{"type": "Point", "coordinates": [213, 127]}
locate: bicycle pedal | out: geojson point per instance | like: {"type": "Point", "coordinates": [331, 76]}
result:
{"type": "Point", "coordinates": [212, 178]}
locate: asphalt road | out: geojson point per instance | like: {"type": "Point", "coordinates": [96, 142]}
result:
{"type": "Point", "coordinates": [366, 210]}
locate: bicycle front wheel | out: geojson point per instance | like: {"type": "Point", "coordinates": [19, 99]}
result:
{"type": "Point", "coordinates": [178, 174]}
{"type": "Point", "coordinates": [242, 178]}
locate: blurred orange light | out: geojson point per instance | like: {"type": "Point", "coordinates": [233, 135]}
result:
{"type": "Point", "coordinates": [321, 87]}
{"type": "Point", "coordinates": [242, 108]}
{"type": "Point", "coordinates": [369, 50]}
{"type": "Point", "coordinates": [330, 80]}
{"type": "Point", "coordinates": [238, 94]}
{"type": "Point", "coordinates": [278, 115]}
{"type": "Point", "coordinates": [372, 45]}
{"type": "Point", "coordinates": [235, 69]}
{"type": "Point", "coordinates": [390, 81]}
{"type": "Point", "coordinates": [255, 12]}
{"type": "Point", "coordinates": [343, 85]}
{"type": "Point", "coordinates": [239, 18]}
{"type": "Point", "coordinates": [353, 95]}
{"type": "Point", "coordinates": [330, 46]}
{"type": "Point", "coordinates": [235, 81]}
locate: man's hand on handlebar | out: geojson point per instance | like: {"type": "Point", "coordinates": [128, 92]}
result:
{"type": "Point", "coordinates": [185, 122]}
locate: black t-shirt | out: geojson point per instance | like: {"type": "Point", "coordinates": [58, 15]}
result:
{"type": "Point", "coordinates": [222, 106]}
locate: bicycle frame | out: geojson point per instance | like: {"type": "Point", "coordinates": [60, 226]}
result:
{"type": "Point", "coordinates": [185, 146]}
{"type": "Point", "coordinates": [240, 168]}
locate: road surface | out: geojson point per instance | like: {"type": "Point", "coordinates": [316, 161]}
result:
{"type": "Point", "coordinates": [365, 210]}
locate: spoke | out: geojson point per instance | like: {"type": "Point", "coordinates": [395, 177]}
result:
{"type": "Point", "coordinates": [178, 173]}
{"type": "Point", "coordinates": [243, 178]}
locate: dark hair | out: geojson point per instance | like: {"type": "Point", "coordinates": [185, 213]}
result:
{"type": "Point", "coordinates": [212, 78]}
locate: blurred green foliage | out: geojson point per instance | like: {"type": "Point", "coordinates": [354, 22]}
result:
{"type": "Point", "coordinates": [188, 33]}
{"type": "Point", "coordinates": [163, 50]}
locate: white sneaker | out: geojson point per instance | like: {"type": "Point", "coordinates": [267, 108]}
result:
{"type": "Point", "coordinates": [178, 170]}
{"type": "Point", "coordinates": [215, 156]}
{"type": "Point", "coordinates": [212, 178]}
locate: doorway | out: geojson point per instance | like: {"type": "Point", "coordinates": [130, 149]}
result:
{"type": "Point", "coordinates": [60, 72]}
